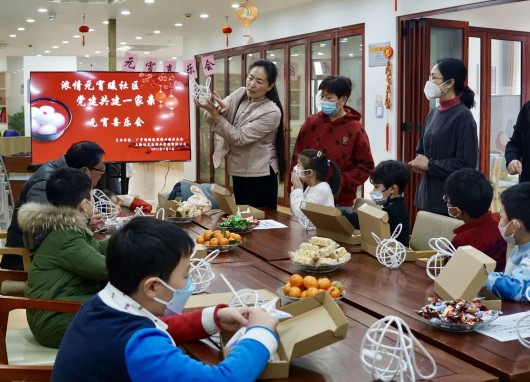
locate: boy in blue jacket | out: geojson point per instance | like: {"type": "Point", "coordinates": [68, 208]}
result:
{"type": "Point", "coordinates": [514, 227]}
{"type": "Point", "coordinates": [118, 336]}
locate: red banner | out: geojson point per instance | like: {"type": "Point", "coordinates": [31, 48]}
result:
{"type": "Point", "coordinates": [134, 117]}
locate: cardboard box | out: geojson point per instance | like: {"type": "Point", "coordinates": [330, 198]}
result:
{"type": "Point", "coordinates": [170, 208]}
{"type": "Point", "coordinates": [201, 301]}
{"type": "Point", "coordinates": [373, 219]}
{"type": "Point", "coordinates": [200, 251]}
{"type": "Point", "coordinates": [317, 322]}
{"type": "Point", "coordinates": [226, 201]}
{"type": "Point", "coordinates": [330, 223]}
{"type": "Point", "coordinates": [464, 276]}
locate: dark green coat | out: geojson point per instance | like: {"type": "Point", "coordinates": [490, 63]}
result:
{"type": "Point", "coordinates": [68, 264]}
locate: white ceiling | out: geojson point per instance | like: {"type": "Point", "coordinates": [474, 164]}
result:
{"type": "Point", "coordinates": [43, 34]}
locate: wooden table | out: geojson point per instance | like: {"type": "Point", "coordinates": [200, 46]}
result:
{"type": "Point", "coordinates": [337, 362]}
{"type": "Point", "coordinates": [380, 292]}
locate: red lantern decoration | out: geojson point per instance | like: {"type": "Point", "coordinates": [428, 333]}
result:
{"type": "Point", "coordinates": [171, 102]}
{"type": "Point", "coordinates": [226, 30]}
{"type": "Point", "coordinates": [160, 96]}
{"type": "Point", "coordinates": [84, 29]}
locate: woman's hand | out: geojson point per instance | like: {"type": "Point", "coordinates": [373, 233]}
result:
{"type": "Point", "coordinates": [420, 164]}
{"type": "Point", "coordinates": [515, 167]}
{"type": "Point", "coordinates": [232, 319]}
{"type": "Point", "coordinates": [213, 115]}
{"type": "Point", "coordinates": [295, 181]}
{"type": "Point", "coordinates": [222, 105]}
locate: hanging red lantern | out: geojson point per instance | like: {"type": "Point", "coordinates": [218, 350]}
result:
{"type": "Point", "coordinates": [84, 29]}
{"type": "Point", "coordinates": [160, 96]}
{"type": "Point", "coordinates": [226, 30]}
{"type": "Point", "coordinates": [171, 102]}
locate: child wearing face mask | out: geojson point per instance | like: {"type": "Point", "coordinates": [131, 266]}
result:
{"type": "Point", "coordinates": [389, 178]}
{"type": "Point", "coordinates": [312, 169]}
{"type": "Point", "coordinates": [117, 336]}
{"type": "Point", "coordinates": [514, 227]}
{"type": "Point", "coordinates": [68, 264]}
{"type": "Point", "coordinates": [468, 195]}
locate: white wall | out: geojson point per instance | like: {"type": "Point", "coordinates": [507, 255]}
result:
{"type": "Point", "coordinates": [380, 22]}
{"type": "Point", "coordinates": [15, 84]}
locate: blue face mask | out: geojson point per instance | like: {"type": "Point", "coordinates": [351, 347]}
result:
{"type": "Point", "coordinates": [328, 108]}
{"type": "Point", "coordinates": [179, 299]}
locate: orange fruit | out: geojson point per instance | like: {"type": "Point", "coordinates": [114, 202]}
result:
{"type": "Point", "coordinates": [207, 242]}
{"type": "Point", "coordinates": [286, 289]}
{"type": "Point", "coordinates": [214, 241]}
{"type": "Point", "coordinates": [334, 292]}
{"type": "Point", "coordinates": [296, 281]}
{"type": "Point", "coordinates": [200, 240]}
{"type": "Point", "coordinates": [295, 292]}
{"type": "Point", "coordinates": [207, 235]}
{"type": "Point", "coordinates": [236, 237]}
{"type": "Point", "coordinates": [218, 236]}
{"type": "Point", "coordinates": [311, 291]}
{"type": "Point", "coordinates": [303, 294]}
{"type": "Point", "coordinates": [223, 241]}
{"type": "Point", "coordinates": [217, 231]}
{"type": "Point", "coordinates": [338, 285]}
{"type": "Point", "coordinates": [324, 283]}
{"type": "Point", "coordinates": [310, 282]}
{"type": "Point", "coordinates": [227, 234]}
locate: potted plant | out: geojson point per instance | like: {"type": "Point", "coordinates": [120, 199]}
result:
{"type": "Point", "coordinates": [16, 122]}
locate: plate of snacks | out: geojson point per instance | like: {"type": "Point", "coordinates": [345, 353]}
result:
{"type": "Point", "coordinates": [224, 241]}
{"type": "Point", "coordinates": [235, 223]}
{"type": "Point", "coordinates": [458, 315]}
{"type": "Point", "coordinates": [319, 255]}
{"type": "Point", "coordinates": [180, 219]}
{"type": "Point", "coordinates": [300, 287]}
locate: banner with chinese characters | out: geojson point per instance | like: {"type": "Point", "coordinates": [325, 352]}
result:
{"type": "Point", "coordinates": [134, 117]}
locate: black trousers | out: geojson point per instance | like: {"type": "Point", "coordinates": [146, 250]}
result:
{"type": "Point", "coordinates": [261, 191]}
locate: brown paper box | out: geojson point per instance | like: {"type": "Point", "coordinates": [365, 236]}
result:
{"type": "Point", "coordinates": [200, 251]}
{"type": "Point", "coordinates": [201, 301]}
{"type": "Point", "coordinates": [373, 219]}
{"type": "Point", "coordinates": [317, 322]}
{"type": "Point", "coordinates": [227, 203]}
{"type": "Point", "coordinates": [464, 276]}
{"type": "Point", "coordinates": [330, 223]}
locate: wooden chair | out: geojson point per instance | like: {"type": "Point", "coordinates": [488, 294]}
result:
{"type": "Point", "coordinates": [429, 225]}
{"type": "Point", "coordinates": [21, 357]}
{"type": "Point", "coordinates": [497, 182]}
{"type": "Point", "coordinates": [15, 287]}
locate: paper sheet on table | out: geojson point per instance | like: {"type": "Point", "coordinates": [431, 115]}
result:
{"type": "Point", "coordinates": [504, 328]}
{"type": "Point", "coordinates": [269, 224]}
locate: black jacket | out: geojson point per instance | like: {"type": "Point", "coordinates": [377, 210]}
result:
{"type": "Point", "coordinates": [519, 145]}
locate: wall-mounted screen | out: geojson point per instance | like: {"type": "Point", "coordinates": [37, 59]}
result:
{"type": "Point", "coordinates": [134, 117]}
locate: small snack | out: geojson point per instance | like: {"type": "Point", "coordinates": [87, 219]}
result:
{"type": "Point", "coordinates": [319, 255]}
{"type": "Point", "coordinates": [457, 315]}
{"type": "Point", "coordinates": [300, 287]}
{"type": "Point", "coordinates": [321, 241]}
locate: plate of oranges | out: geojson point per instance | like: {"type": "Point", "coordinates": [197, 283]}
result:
{"type": "Point", "coordinates": [223, 240]}
{"type": "Point", "coordinates": [300, 287]}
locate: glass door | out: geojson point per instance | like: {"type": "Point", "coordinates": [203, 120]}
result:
{"type": "Point", "coordinates": [350, 57]}
{"type": "Point", "coordinates": [321, 67]}
{"type": "Point", "coordinates": [219, 84]}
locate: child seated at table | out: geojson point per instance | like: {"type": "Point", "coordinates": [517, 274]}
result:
{"type": "Point", "coordinates": [514, 227]}
{"type": "Point", "coordinates": [468, 195]}
{"type": "Point", "coordinates": [389, 179]}
{"type": "Point", "coordinates": [117, 336]}
{"type": "Point", "coordinates": [129, 201]}
{"type": "Point", "coordinates": [68, 264]}
{"type": "Point", "coordinates": [312, 169]}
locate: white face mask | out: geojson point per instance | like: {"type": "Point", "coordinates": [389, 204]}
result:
{"type": "Point", "coordinates": [301, 173]}
{"type": "Point", "coordinates": [509, 239]}
{"type": "Point", "coordinates": [450, 213]}
{"type": "Point", "coordinates": [431, 90]}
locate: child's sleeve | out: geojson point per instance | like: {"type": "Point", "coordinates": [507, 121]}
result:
{"type": "Point", "coordinates": [510, 287]}
{"type": "Point", "coordinates": [192, 326]}
{"type": "Point", "coordinates": [151, 356]}
{"type": "Point", "coordinates": [296, 198]}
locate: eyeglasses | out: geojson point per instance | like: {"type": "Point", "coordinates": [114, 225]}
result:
{"type": "Point", "coordinates": [432, 78]}
{"type": "Point", "coordinates": [97, 169]}
{"type": "Point", "coordinates": [447, 201]}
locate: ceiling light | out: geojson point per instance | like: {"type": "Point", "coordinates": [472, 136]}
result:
{"type": "Point", "coordinates": [322, 44]}
{"type": "Point", "coordinates": [178, 24]}
{"type": "Point", "coordinates": [272, 55]}
{"type": "Point", "coordinates": [65, 42]}
{"type": "Point", "coordinates": [125, 13]}
{"type": "Point", "coordinates": [46, 51]}
{"type": "Point", "coordinates": [30, 20]}
{"type": "Point", "coordinates": [97, 52]}
{"type": "Point", "coordinates": [204, 16]}
{"type": "Point", "coordinates": [138, 37]}
{"type": "Point", "coordinates": [173, 58]}
{"type": "Point", "coordinates": [156, 32]}
{"type": "Point", "coordinates": [147, 52]}
{"type": "Point", "coordinates": [55, 47]}
{"type": "Point", "coordinates": [351, 55]}
{"type": "Point", "coordinates": [105, 22]}
{"type": "Point", "coordinates": [320, 54]}
{"type": "Point", "coordinates": [235, 5]}
{"type": "Point", "coordinates": [149, 1]}
{"type": "Point", "coordinates": [21, 29]}
{"type": "Point", "coordinates": [87, 55]}
{"type": "Point", "coordinates": [123, 43]}
{"type": "Point", "coordinates": [13, 35]}
{"type": "Point", "coordinates": [91, 30]}
{"type": "Point", "coordinates": [39, 55]}
{"type": "Point", "coordinates": [76, 36]}
{"type": "Point", "coordinates": [42, 10]}
{"type": "Point", "coordinates": [344, 39]}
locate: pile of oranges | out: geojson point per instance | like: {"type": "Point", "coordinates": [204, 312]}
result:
{"type": "Point", "coordinates": [308, 286]}
{"type": "Point", "coordinates": [218, 237]}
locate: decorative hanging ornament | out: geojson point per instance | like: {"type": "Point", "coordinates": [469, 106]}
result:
{"type": "Point", "coordinates": [226, 30]}
{"type": "Point", "coordinates": [171, 103]}
{"type": "Point", "coordinates": [202, 93]}
{"type": "Point", "coordinates": [388, 72]}
{"type": "Point", "coordinates": [247, 13]}
{"type": "Point", "coordinates": [84, 29]}
{"type": "Point", "coordinates": [390, 252]}
{"type": "Point", "coordinates": [160, 96]}
{"type": "Point", "coordinates": [444, 250]}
